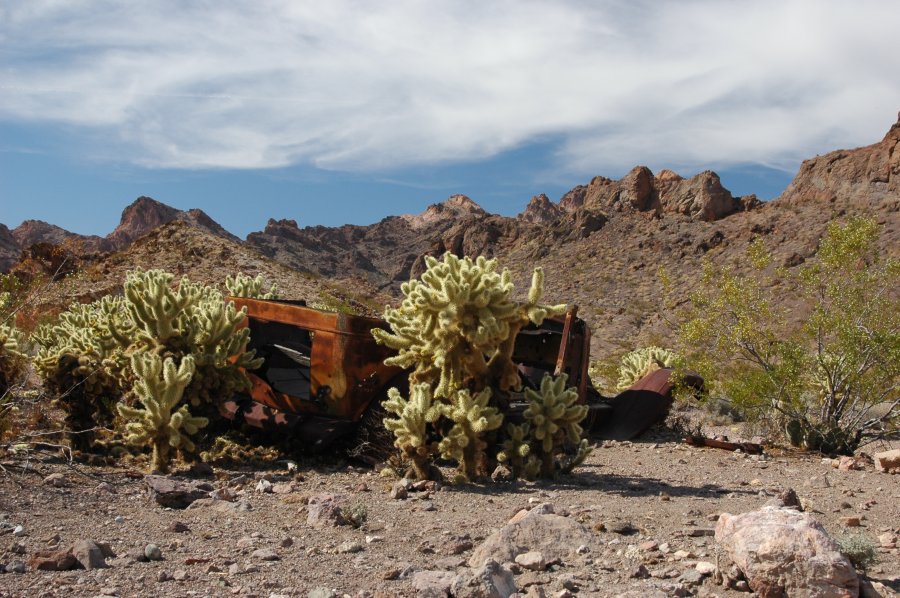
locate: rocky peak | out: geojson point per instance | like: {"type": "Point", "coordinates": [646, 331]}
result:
{"type": "Point", "coordinates": [273, 226]}
{"type": "Point", "coordinates": [452, 208]}
{"type": "Point", "coordinates": [573, 199]}
{"type": "Point", "coordinates": [146, 214]}
{"type": "Point", "coordinates": [865, 176]}
{"type": "Point", "coordinates": [9, 248]}
{"type": "Point", "coordinates": [541, 209]}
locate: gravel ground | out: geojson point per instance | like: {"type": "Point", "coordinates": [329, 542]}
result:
{"type": "Point", "coordinates": [670, 493]}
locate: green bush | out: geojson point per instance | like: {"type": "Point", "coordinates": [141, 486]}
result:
{"type": "Point", "coordinates": [833, 380]}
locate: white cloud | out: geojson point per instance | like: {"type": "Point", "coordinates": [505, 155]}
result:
{"type": "Point", "coordinates": [379, 85]}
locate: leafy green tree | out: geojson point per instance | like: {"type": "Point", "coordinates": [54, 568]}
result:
{"type": "Point", "coordinates": [832, 381]}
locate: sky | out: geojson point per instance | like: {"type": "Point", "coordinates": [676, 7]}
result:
{"type": "Point", "coordinates": [348, 111]}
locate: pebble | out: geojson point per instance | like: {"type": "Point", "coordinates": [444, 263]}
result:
{"type": "Point", "coordinates": [265, 554]}
{"type": "Point", "coordinates": [16, 567]}
{"type": "Point", "coordinates": [851, 521]}
{"type": "Point", "coordinates": [349, 547]}
{"type": "Point", "coordinates": [321, 593]}
{"type": "Point", "coordinates": [264, 486]}
{"type": "Point", "coordinates": [153, 553]}
{"type": "Point", "coordinates": [19, 531]}
{"type": "Point", "coordinates": [705, 567]}
{"type": "Point", "coordinates": [532, 560]}
{"type": "Point", "coordinates": [119, 519]}
{"type": "Point", "coordinates": [180, 575]}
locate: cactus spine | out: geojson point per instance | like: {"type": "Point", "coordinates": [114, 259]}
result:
{"type": "Point", "coordinates": [160, 386]}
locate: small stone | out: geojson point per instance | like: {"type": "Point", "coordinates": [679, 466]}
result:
{"type": "Point", "coordinates": [683, 554]}
{"type": "Point", "coordinates": [888, 460]}
{"type": "Point", "coordinates": [153, 553]}
{"type": "Point", "coordinates": [321, 593]}
{"type": "Point", "coordinates": [583, 549]}
{"type": "Point", "coordinates": [286, 542]}
{"type": "Point", "coordinates": [163, 576]}
{"type": "Point", "coordinates": [640, 572]}
{"type": "Point", "coordinates": [16, 567]}
{"type": "Point", "coordinates": [89, 554]}
{"type": "Point", "coordinates": [180, 575]}
{"type": "Point", "coordinates": [851, 521]}
{"type": "Point", "coordinates": [888, 540]}
{"type": "Point", "coordinates": [178, 527]}
{"type": "Point", "coordinates": [373, 539]}
{"type": "Point", "coordinates": [265, 554]}
{"type": "Point", "coordinates": [532, 560]}
{"type": "Point", "coordinates": [705, 567]}
{"type": "Point", "coordinates": [427, 505]}
{"type": "Point", "coordinates": [648, 545]}
{"type": "Point", "coordinates": [57, 480]}
{"type": "Point", "coordinates": [399, 491]}
{"type": "Point", "coordinates": [234, 569]}
{"type": "Point", "coordinates": [349, 547]}
{"type": "Point", "coordinates": [264, 486]}
{"type": "Point", "coordinates": [119, 519]}
{"type": "Point", "coordinates": [691, 577]}
{"type": "Point", "coordinates": [19, 531]}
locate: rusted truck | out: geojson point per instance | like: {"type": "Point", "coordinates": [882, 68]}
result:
{"type": "Point", "coordinates": [323, 372]}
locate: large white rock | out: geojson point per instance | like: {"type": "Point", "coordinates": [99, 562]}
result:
{"type": "Point", "coordinates": [783, 552]}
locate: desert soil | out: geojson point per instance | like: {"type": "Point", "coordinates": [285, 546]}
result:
{"type": "Point", "coordinates": [667, 491]}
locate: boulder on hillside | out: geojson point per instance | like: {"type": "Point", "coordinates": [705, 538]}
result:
{"type": "Point", "coordinates": [783, 552]}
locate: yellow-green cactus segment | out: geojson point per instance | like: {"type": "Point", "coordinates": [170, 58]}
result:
{"type": "Point", "coordinates": [640, 362]}
{"type": "Point", "coordinates": [471, 418]}
{"type": "Point", "coordinates": [554, 417]}
{"type": "Point", "coordinates": [459, 323]}
{"type": "Point", "coordinates": [410, 428]}
{"type": "Point", "coordinates": [11, 358]}
{"type": "Point", "coordinates": [515, 448]}
{"type": "Point", "coordinates": [160, 386]}
{"type": "Point", "coordinates": [241, 285]}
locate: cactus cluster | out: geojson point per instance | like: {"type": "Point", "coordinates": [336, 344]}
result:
{"type": "Point", "coordinates": [87, 357]}
{"type": "Point", "coordinates": [241, 285]}
{"type": "Point", "coordinates": [159, 422]}
{"type": "Point", "coordinates": [640, 362]}
{"type": "Point", "coordinates": [456, 330]}
{"type": "Point", "coordinates": [457, 325]}
{"type": "Point", "coordinates": [11, 357]}
{"type": "Point", "coordinates": [554, 417]}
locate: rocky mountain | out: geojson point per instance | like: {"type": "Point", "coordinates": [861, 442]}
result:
{"type": "Point", "coordinates": [866, 176]}
{"type": "Point", "coordinates": [142, 216]}
{"type": "Point", "coordinates": [600, 245]}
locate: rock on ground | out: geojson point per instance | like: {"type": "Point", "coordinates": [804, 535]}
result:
{"type": "Point", "coordinates": [784, 552]}
{"type": "Point", "coordinates": [554, 536]}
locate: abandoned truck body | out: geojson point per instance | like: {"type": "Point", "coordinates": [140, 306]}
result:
{"type": "Point", "coordinates": [323, 370]}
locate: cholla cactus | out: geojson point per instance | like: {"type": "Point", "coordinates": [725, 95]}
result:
{"type": "Point", "coordinates": [242, 285]}
{"type": "Point", "coordinates": [410, 429]}
{"type": "Point", "coordinates": [459, 323]}
{"type": "Point", "coordinates": [516, 452]}
{"type": "Point", "coordinates": [82, 363]}
{"type": "Point", "coordinates": [472, 419]}
{"type": "Point", "coordinates": [555, 419]}
{"type": "Point", "coordinates": [189, 319]}
{"type": "Point", "coordinates": [640, 362]}
{"type": "Point", "coordinates": [160, 386]}
{"type": "Point", "coordinates": [85, 356]}
{"type": "Point", "coordinates": [11, 358]}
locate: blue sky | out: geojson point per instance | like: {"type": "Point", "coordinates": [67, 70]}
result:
{"type": "Point", "coordinates": [345, 112]}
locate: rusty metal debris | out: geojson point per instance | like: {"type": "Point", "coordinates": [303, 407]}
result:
{"type": "Point", "coordinates": [323, 370]}
{"type": "Point", "coordinates": [751, 448]}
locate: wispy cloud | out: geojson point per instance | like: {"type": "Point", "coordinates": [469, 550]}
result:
{"type": "Point", "coordinates": [354, 85]}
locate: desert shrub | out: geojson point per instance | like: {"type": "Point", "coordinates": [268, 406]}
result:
{"type": "Point", "coordinates": [830, 382]}
{"type": "Point", "coordinates": [640, 362]}
{"type": "Point", "coordinates": [456, 330]}
{"type": "Point", "coordinates": [859, 549]}
{"type": "Point", "coordinates": [241, 285]}
{"type": "Point", "coordinates": [86, 356]}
